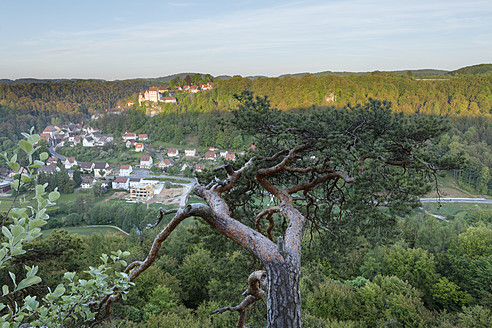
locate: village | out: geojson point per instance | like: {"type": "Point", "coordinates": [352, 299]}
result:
{"type": "Point", "coordinates": [140, 181]}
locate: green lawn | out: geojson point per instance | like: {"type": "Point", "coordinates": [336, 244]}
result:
{"type": "Point", "coordinates": [85, 231]}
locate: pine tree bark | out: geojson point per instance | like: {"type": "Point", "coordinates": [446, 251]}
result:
{"type": "Point", "coordinates": [283, 295]}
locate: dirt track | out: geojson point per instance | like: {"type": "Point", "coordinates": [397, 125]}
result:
{"type": "Point", "coordinates": [167, 196]}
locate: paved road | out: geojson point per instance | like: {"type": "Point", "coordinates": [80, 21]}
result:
{"type": "Point", "coordinates": [53, 153]}
{"type": "Point", "coordinates": [456, 200]}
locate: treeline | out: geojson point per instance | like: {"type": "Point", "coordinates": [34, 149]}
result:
{"type": "Point", "coordinates": [185, 128]}
{"type": "Point", "coordinates": [74, 96]}
{"type": "Point", "coordinates": [455, 96]}
{"type": "Point", "coordinates": [471, 136]}
{"type": "Point", "coordinates": [466, 95]}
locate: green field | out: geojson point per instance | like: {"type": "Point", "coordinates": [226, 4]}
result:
{"type": "Point", "coordinates": [455, 210]}
{"type": "Point", "coordinates": [85, 231]}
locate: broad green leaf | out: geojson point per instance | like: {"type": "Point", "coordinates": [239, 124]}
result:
{"type": "Point", "coordinates": [53, 196]}
{"type": "Point", "coordinates": [6, 232]}
{"type": "Point", "coordinates": [39, 189]}
{"type": "Point", "coordinates": [14, 166]}
{"type": "Point", "coordinates": [29, 281]}
{"type": "Point", "coordinates": [5, 290]}
{"type": "Point", "coordinates": [43, 156]}
{"type": "Point", "coordinates": [59, 291]}
{"type": "Point", "coordinates": [36, 223]}
{"type": "Point", "coordinates": [26, 146]}
{"type": "Point", "coordinates": [14, 184]}
{"type": "Point", "coordinates": [25, 178]}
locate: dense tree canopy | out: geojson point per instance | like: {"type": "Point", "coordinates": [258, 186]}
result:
{"type": "Point", "coordinates": [327, 168]}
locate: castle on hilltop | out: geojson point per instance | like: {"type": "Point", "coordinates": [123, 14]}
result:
{"type": "Point", "coordinates": [156, 94]}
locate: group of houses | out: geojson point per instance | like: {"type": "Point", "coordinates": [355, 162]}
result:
{"type": "Point", "coordinates": [74, 134]}
{"type": "Point", "coordinates": [133, 140]}
{"type": "Point", "coordinates": [211, 154]}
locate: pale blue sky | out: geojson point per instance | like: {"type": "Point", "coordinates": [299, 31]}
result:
{"type": "Point", "coordinates": [125, 39]}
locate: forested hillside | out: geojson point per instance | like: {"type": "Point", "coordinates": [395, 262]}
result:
{"type": "Point", "coordinates": [201, 119]}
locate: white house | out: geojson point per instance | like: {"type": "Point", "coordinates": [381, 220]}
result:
{"type": "Point", "coordinates": [199, 167]}
{"type": "Point", "coordinates": [101, 169]}
{"type": "Point", "coordinates": [139, 147]}
{"type": "Point", "coordinates": [129, 143]}
{"type": "Point", "coordinates": [134, 182]}
{"type": "Point", "coordinates": [231, 157]}
{"type": "Point", "coordinates": [190, 152]}
{"type": "Point", "coordinates": [125, 170]}
{"type": "Point", "coordinates": [167, 162]}
{"type": "Point", "coordinates": [146, 161]}
{"type": "Point", "coordinates": [70, 162]}
{"type": "Point", "coordinates": [223, 153]}
{"type": "Point", "coordinates": [128, 136]}
{"type": "Point", "coordinates": [154, 94]}
{"type": "Point", "coordinates": [143, 137]}
{"type": "Point", "coordinates": [88, 141]}
{"type": "Point", "coordinates": [87, 183]}
{"type": "Point", "coordinates": [169, 100]}
{"type": "Point", "coordinates": [172, 152]}
{"type": "Point", "coordinates": [121, 183]}
{"type": "Point", "coordinates": [48, 169]}
{"type": "Point", "coordinates": [210, 155]}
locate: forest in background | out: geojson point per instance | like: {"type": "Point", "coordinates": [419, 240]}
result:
{"type": "Point", "coordinates": [200, 120]}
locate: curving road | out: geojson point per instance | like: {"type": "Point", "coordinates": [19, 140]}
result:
{"type": "Point", "coordinates": [457, 200]}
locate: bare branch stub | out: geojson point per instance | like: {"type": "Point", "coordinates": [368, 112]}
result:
{"type": "Point", "coordinates": [253, 294]}
{"type": "Point", "coordinates": [162, 212]}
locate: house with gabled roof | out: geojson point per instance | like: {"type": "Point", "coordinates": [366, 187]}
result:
{"type": "Point", "coordinates": [190, 152]}
{"type": "Point", "coordinates": [87, 183]}
{"type": "Point", "coordinates": [210, 155]}
{"type": "Point", "coordinates": [101, 169]}
{"type": "Point", "coordinates": [134, 182]}
{"type": "Point", "coordinates": [146, 162]}
{"type": "Point", "coordinates": [121, 183]}
{"type": "Point", "coordinates": [172, 152]}
{"type": "Point", "coordinates": [169, 100]}
{"type": "Point", "coordinates": [130, 143]}
{"type": "Point", "coordinates": [51, 130]}
{"type": "Point", "coordinates": [128, 136]}
{"type": "Point", "coordinates": [125, 170]}
{"type": "Point", "coordinates": [48, 169]}
{"type": "Point", "coordinates": [231, 157]}
{"type": "Point", "coordinates": [143, 137]}
{"type": "Point", "coordinates": [154, 94]}
{"type": "Point", "coordinates": [167, 162]}
{"type": "Point", "coordinates": [52, 161]}
{"type": "Point", "coordinates": [199, 167]}
{"type": "Point", "coordinates": [139, 147]}
{"type": "Point", "coordinates": [88, 141]}
{"type": "Point", "coordinates": [70, 162]}
{"type": "Point", "coordinates": [86, 167]}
